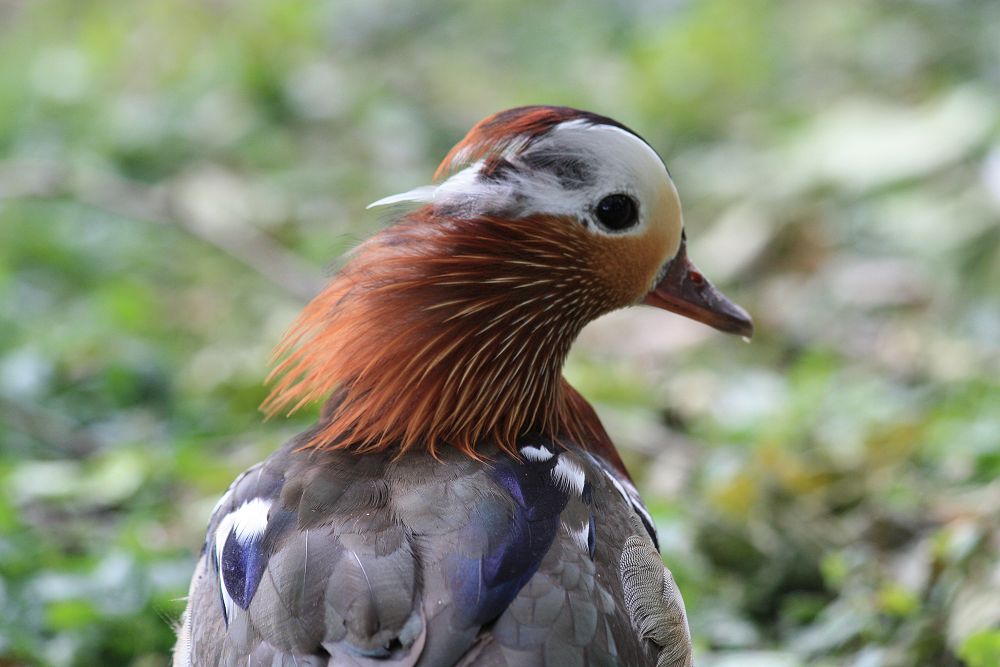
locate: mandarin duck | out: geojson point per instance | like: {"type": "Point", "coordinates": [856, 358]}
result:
{"type": "Point", "coordinates": [458, 502]}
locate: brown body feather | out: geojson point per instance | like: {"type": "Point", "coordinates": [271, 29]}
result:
{"type": "Point", "coordinates": [443, 331]}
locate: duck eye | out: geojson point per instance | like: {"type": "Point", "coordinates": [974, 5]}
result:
{"type": "Point", "coordinates": [617, 212]}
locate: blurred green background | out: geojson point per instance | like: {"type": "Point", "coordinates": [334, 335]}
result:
{"type": "Point", "coordinates": [176, 177]}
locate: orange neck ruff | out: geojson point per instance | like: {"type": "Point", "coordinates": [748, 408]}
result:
{"type": "Point", "coordinates": [444, 331]}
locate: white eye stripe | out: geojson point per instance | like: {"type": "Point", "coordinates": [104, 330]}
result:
{"type": "Point", "coordinates": [616, 161]}
{"type": "Point", "coordinates": [422, 194]}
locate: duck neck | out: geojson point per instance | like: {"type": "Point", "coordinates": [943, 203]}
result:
{"type": "Point", "coordinates": [444, 332]}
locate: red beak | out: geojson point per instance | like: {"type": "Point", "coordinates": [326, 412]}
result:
{"type": "Point", "coordinates": [685, 291]}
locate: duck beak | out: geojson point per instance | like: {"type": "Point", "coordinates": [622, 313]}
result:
{"type": "Point", "coordinates": [685, 291]}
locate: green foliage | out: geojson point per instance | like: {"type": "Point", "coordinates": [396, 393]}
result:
{"type": "Point", "coordinates": [176, 176]}
{"type": "Point", "coordinates": [981, 649]}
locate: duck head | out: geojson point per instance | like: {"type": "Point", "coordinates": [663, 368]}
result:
{"type": "Point", "coordinates": [451, 326]}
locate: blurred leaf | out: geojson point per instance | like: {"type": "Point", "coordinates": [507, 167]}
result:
{"type": "Point", "coordinates": [897, 601]}
{"type": "Point", "coordinates": [71, 615]}
{"type": "Point", "coordinates": [981, 649]}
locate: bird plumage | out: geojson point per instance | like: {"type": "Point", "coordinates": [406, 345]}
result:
{"type": "Point", "coordinates": [458, 502]}
{"type": "Point", "coordinates": [411, 560]}
{"type": "Point", "coordinates": [437, 326]}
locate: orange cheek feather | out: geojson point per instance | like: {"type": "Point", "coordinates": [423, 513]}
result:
{"type": "Point", "coordinates": [628, 265]}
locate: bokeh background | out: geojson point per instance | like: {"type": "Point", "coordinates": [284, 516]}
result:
{"type": "Point", "coordinates": [177, 178]}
